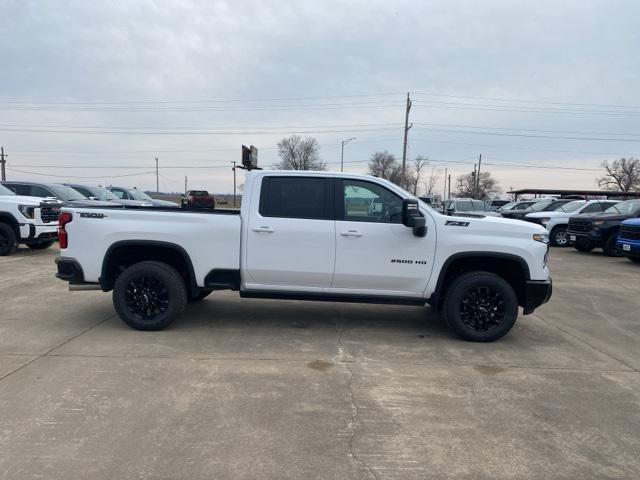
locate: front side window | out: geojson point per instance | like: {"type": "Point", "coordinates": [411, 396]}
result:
{"type": "Point", "coordinates": [370, 202]}
{"type": "Point", "coordinates": [38, 191]}
{"type": "Point", "coordinates": [294, 197]}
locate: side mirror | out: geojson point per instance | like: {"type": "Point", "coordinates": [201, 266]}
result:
{"type": "Point", "coordinates": [412, 218]}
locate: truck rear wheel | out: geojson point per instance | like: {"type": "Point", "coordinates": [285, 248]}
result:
{"type": "Point", "coordinates": [480, 307]}
{"type": "Point", "coordinates": [7, 239]}
{"type": "Point", "coordinates": [149, 295]}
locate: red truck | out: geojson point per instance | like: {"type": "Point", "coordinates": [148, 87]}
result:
{"type": "Point", "coordinates": [198, 199]}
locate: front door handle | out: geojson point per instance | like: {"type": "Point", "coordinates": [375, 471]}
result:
{"type": "Point", "coordinates": [263, 229]}
{"type": "Point", "coordinates": [351, 233]}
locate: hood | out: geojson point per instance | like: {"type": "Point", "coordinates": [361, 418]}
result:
{"type": "Point", "coordinates": [501, 227]}
{"type": "Point", "coordinates": [551, 214]}
{"type": "Point", "coordinates": [21, 200]}
{"type": "Point", "coordinates": [89, 203]}
{"type": "Point", "coordinates": [132, 203]}
{"type": "Point", "coordinates": [164, 203]}
{"type": "Point", "coordinates": [602, 216]}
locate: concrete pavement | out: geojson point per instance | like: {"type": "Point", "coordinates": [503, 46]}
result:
{"type": "Point", "coordinates": [269, 389]}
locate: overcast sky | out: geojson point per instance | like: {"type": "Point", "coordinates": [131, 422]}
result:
{"type": "Point", "coordinates": [112, 85]}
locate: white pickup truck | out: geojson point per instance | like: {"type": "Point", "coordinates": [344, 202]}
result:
{"type": "Point", "coordinates": [31, 221]}
{"type": "Point", "coordinates": [310, 236]}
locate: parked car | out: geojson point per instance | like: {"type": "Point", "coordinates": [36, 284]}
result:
{"type": "Point", "coordinates": [590, 231]}
{"type": "Point", "coordinates": [556, 221]}
{"type": "Point", "coordinates": [295, 240]}
{"type": "Point", "coordinates": [124, 193]}
{"type": "Point", "coordinates": [27, 220]}
{"type": "Point", "coordinates": [101, 193]}
{"type": "Point", "coordinates": [495, 205]}
{"type": "Point", "coordinates": [467, 207]}
{"type": "Point", "coordinates": [198, 199]}
{"type": "Point", "coordinates": [52, 190]}
{"type": "Point", "coordinates": [520, 205]}
{"type": "Point", "coordinates": [629, 239]}
{"type": "Point", "coordinates": [544, 205]}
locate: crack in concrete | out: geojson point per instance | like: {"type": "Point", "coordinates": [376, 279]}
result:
{"type": "Point", "coordinates": [354, 421]}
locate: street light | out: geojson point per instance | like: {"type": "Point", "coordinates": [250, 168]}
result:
{"type": "Point", "coordinates": [344, 142]}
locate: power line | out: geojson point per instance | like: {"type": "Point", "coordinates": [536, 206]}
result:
{"type": "Point", "coordinates": [76, 176]}
{"type": "Point", "coordinates": [505, 108]}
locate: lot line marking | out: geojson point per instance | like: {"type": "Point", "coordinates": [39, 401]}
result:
{"type": "Point", "coordinates": [572, 335]}
{"type": "Point", "coordinates": [56, 346]}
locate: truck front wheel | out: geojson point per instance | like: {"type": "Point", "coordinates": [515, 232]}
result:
{"type": "Point", "coordinates": [480, 307]}
{"type": "Point", "coordinates": [7, 239]}
{"type": "Point", "coordinates": [149, 295]}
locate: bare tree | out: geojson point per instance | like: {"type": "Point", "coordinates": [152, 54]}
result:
{"type": "Point", "coordinates": [623, 175]}
{"type": "Point", "coordinates": [384, 165]}
{"type": "Point", "coordinates": [486, 186]}
{"type": "Point", "coordinates": [432, 179]}
{"type": "Point", "coordinates": [415, 173]}
{"type": "Point", "coordinates": [298, 153]}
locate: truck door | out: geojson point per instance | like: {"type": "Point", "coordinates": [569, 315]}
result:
{"type": "Point", "coordinates": [375, 252]}
{"type": "Point", "coordinates": [290, 237]}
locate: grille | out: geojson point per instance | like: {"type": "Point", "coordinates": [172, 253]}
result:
{"type": "Point", "coordinates": [49, 213]}
{"type": "Point", "coordinates": [630, 232]}
{"type": "Point", "coordinates": [576, 225]}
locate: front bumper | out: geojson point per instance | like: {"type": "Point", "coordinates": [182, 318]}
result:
{"type": "Point", "coordinates": [538, 292]}
{"type": "Point", "coordinates": [592, 238]}
{"type": "Point", "coordinates": [34, 232]}
{"type": "Point", "coordinates": [628, 247]}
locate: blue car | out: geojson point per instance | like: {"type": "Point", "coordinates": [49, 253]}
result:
{"type": "Point", "coordinates": [629, 239]}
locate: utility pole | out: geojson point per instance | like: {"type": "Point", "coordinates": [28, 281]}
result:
{"type": "Point", "coordinates": [157, 177]}
{"type": "Point", "coordinates": [234, 182]}
{"type": "Point", "coordinates": [478, 177]}
{"type": "Point", "coordinates": [444, 195]}
{"type": "Point", "coordinates": [185, 184]}
{"type": "Point", "coordinates": [406, 134]}
{"type": "Point", "coordinates": [2, 163]}
{"type": "Point", "coordinates": [473, 188]}
{"type": "Point", "coordinates": [344, 142]}
{"type": "Point", "coordinates": [449, 196]}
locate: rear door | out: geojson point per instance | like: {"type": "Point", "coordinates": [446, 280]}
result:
{"type": "Point", "coordinates": [375, 253]}
{"type": "Point", "coordinates": [290, 237]}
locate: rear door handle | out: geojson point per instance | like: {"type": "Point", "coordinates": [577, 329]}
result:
{"type": "Point", "coordinates": [263, 229]}
{"type": "Point", "coordinates": [351, 233]}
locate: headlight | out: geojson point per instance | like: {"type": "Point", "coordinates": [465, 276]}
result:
{"type": "Point", "coordinates": [544, 221]}
{"type": "Point", "coordinates": [27, 210]}
{"type": "Point", "coordinates": [598, 223]}
{"type": "Point", "coordinates": [541, 237]}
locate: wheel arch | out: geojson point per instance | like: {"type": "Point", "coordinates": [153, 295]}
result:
{"type": "Point", "coordinates": [513, 268]}
{"type": "Point", "coordinates": [125, 253]}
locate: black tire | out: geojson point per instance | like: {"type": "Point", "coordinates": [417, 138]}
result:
{"type": "Point", "coordinates": [480, 307]}
{"type": "Point", "coordinates": [610, 247]}
{"type": "Point", "coordinates": [558, 236]}
{"type": "Point", "coordinates": [202, 293]}
{"type": "Point", "coordinates": [149, 295]}
{"type": "Point", "coordinates": [41, 245]}
{"type": "Point", "coordinates": [8, 241]}
{"type": "Point", "coordinates": [583, 246]}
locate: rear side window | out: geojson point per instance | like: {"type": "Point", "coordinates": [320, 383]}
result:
{"type": "Point", "coordinates": [19, 189]}
{"type": "Point", "coordinates": [38, 191]}
{"type": "Point", "coordinates": [295, 197]}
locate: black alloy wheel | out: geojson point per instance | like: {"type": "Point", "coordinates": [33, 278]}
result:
{"type": "Point", "coordinates": [7, 239]}
{"type": "Point", "coordinates": [482, 308]}
{"type": "Point", "coordinates": [146, 297]}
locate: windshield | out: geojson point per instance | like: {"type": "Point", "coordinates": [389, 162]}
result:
{"type": "Point", "coordinates": [508, 206]}
{"type": "Point", "coordinates": [66, 193]}
{"type": "Point", "coordinates": [541, 206]}
{"type": "Point", "coordinates": [571, 206]}
{"type": "Point", "coordinates": [138, 194]}
{"type": "Point", "coordinates": [5, 191]}
{"type": "Point", "coordinates": [102, 193]}
{"type": "Point", "coordinates": [625, 208]}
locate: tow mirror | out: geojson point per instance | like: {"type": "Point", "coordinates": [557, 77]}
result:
{"type": "Point", "coordinates": [412, 218]}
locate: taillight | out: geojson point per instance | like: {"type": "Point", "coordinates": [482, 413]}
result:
{"type": "Point", "coordinates": [63, 219]}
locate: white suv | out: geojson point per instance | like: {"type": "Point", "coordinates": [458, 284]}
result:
{"type": "Point", "coordinates": [556, 221]}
